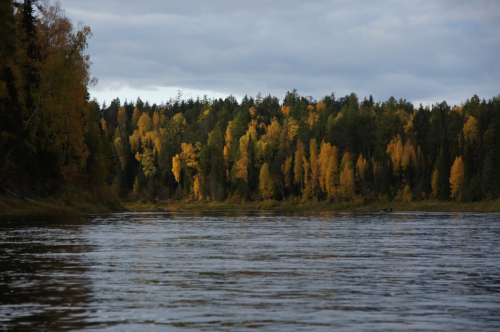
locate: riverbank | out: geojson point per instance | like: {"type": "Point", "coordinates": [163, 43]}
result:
{"type": "Point", "coordinates": [77, 202]}
{"type": "Point", "coordinates": [427, 205]}
{"type": "Point", "coordinates": [68, 201]}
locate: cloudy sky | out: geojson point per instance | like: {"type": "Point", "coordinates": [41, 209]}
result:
{"type": "Point", "coordinates": [421, 50]}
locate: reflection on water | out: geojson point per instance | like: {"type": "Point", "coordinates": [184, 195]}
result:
{"type": "Point", "coordinates": [231, 271]}
{"type": "Point", "coordinates": [42, 278]}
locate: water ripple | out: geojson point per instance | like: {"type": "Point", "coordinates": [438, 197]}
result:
{"type": "Point", "coordinates": [227, 271]}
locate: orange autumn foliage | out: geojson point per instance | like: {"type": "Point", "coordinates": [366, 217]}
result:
{"type": "Point", "coordinates": [457, 176]}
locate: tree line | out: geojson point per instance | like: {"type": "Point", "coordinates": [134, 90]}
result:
{"type": "Point", "coordinates": [335, 149]}
{"type": "Point", "coordinates": [49, 133]}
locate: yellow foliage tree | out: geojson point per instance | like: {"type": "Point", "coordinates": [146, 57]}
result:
{"type": "Point", "coordinates": [56, 104]}
{"type": "Point", "coordinates": [156, 121]}
{"type": "Point", "coordinates": [307, 180]}
{"type": "Point", "coordinates": [177, 168]}
{"type": "Point", "coordinates": [138, 156]}
{"type": "Point", "coordinates": [252, 132]}
{"type": "Point", "coordinates": [313, 160]}
{"type": "Point", "coordinates": [122, 118]}
{"type": "Point", "coordinates": [458, 109]}
{"type": "Point", "coordinates": [229, 138]}
{"type": "Point", "coordinates": [135, 141]}
{"type": "Point", "coordinates": [266, 182]}
{"type": "Point", "coordinates": [321, 106]}
{"type": "Point", "coordinates": [408, 194]}
{"type": "Point", "coordinates": [290, 128]}
{"type": "Point", "coordinates": [288, 133]}
{"type": "Point", "coordinates": [285, 110]}
{"type": "Point", "coordinates": [404, 117]}
{"type": "Point", "coordinates": [242, 164]}
{"type": "Point", "coordinates": [104, 126]}
{"type": "Point", "coordinates": [323, 159]}
{"type": "Point", "coordinates": [286, 168]}
{"type": "Point", "coordinates": [255, 123]}
{"type": "Point", "coordinates": [176, 125]}
{"type": "Point", "coordinates": [274, 132]}
{"type": "Point", "coordinates": [409, 156]}
{"type": "Point", "coordinates": [361, 167]}
{"type": "Point", "coordinates": [471, 129]}
{"type": "Point", "coordinates": [152, 141]}
{"type": "Point", "coordinates": [435, 183]}
{"type": "Point", "coordinates": [135, 118]}
{"type": "Point", "coordinates": [147, 162]}
{"type": "Point", "coordinates": [313, 116]}
{"type": "Point", "coordinates": [395, 150]}
{"type": "Point", "coordinates": [119, 151]}
{"type": "Point", "coordinates": [190, 156]}
{"type": "Point", "coordinates": [179, 122]}
{"type": "Point", "coordinates": [457, 177]}
{"type": "Point", "coordinates": [252, 111]}
{"type": "Point", "coordinates": [346, 188]}
{"type": "Point", "coordinates": [197, 191]}
{"type": "Point", "coordinates": [226, 162]}
{"type": "Point", "coordinates": [298, 168]}
{"type": "Point", "coordinates": [205, 112]}
{"type": "Point", "coordinates": [261, 146]}
{"type": "Point", "coordinates": [332, 175]}
{"type": "Point", "coordinates": [64, 75]}
{"type": "Point", "coordinates": [144, 124]}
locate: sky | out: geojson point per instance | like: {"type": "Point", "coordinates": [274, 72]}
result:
{"type": "Point", "coordinates": [424, 51]}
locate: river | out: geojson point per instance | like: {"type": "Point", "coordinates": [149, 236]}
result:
{"type": "Point", "coordinates": [238, 271]}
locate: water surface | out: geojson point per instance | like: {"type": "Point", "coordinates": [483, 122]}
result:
{"type": "Point", "coordinates": [237, 271]}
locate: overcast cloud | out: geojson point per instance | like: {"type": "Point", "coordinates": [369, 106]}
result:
{"type": "Point", "coordinates": [421, 50]}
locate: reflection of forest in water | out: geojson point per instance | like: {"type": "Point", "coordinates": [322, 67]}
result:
{"type": "Point", "coordinates": [42, 276]}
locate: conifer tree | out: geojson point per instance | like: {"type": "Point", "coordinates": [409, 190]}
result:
{"type": "Point", "coordinates": [298, 169]}
{"type": "Point", "coordinates": [315, 169]}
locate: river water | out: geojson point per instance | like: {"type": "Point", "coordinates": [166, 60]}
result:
{"type": "Point", "coordinates": [237, 271]}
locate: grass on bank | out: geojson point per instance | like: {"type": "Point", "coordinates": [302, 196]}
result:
{"type": "Point", "coordinates": [294, 205]}
{"type": "Point", "coordinates": [69, 200]}
{"type": "Point", "coordinates": [74, 201]}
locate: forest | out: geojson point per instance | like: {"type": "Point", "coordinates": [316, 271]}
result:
{"type": "Point", "coordinates": [337, 149]}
